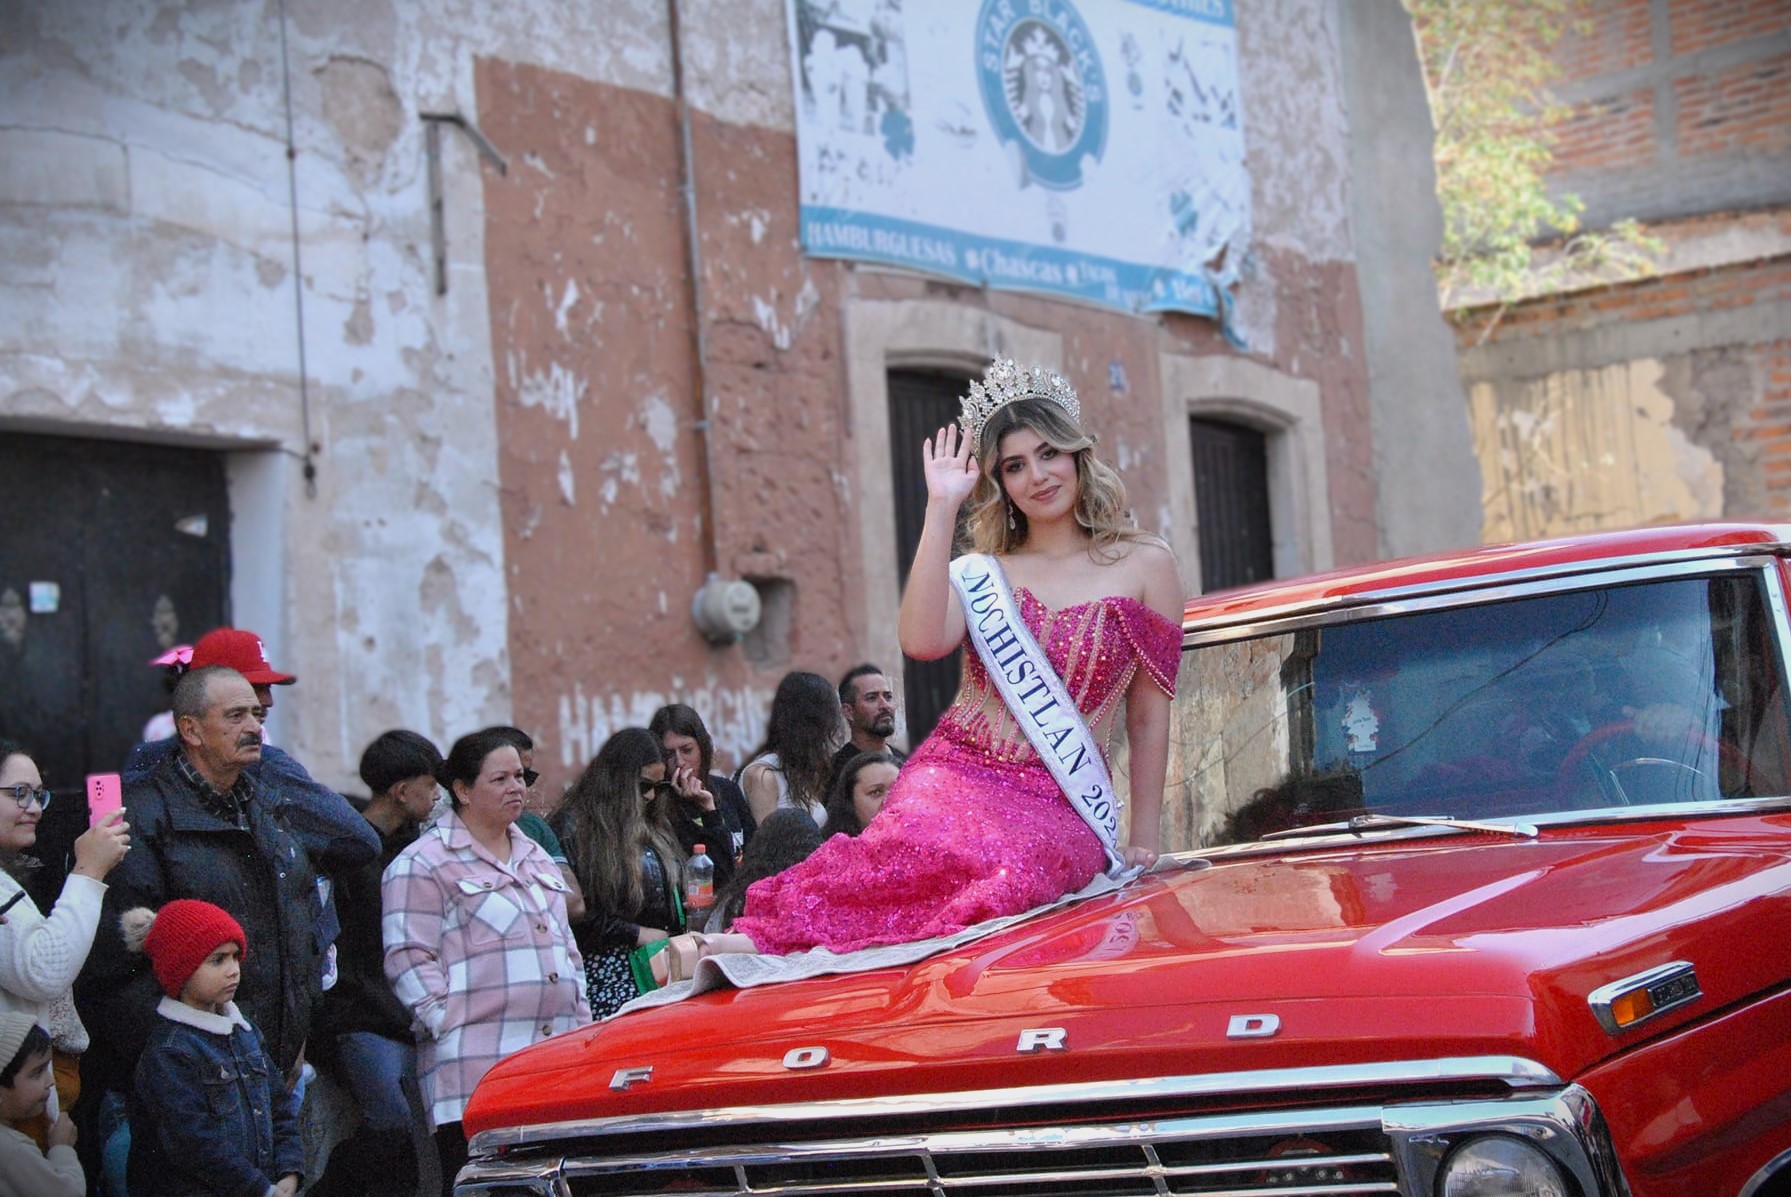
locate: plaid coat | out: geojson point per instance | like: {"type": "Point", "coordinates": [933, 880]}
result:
{"type": "Point", "coordinates": [480, 953]}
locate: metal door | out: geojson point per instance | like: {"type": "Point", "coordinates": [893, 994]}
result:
{"type": "Point", "coordinates": [109, 553]}
{"type": "Point", "coordinates": [920, 404]}
{"type": "Point", "coordinates": [1231, 495]}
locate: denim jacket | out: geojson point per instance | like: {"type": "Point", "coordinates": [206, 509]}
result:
{"type": "Point", "coordinates": [209, 1112]}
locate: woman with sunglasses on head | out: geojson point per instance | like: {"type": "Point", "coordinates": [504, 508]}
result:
{"type": "Point", "coordinates": [40, 957]}
{"type": "Point", "coordinates": [616, 825]}
{"type": "Point", "coordinates": [1069, 616]}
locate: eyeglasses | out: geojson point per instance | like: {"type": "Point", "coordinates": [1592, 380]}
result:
{"type": "Point", "coordinates": [530, 777]}
{"type": "Point", "coordinates": [24, 795]}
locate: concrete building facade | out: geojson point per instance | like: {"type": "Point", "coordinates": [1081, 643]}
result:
{"type": "Point", "coordinates": [421, 277]}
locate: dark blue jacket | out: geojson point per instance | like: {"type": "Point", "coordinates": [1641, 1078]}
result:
{"type": "Point", "coordinates": [209, 1112]}
{"type": "Point", "coordinates": [336, 838]}
{"type": "Point", "coordinates": [335, 835]}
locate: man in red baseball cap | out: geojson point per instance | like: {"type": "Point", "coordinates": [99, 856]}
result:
{"type": "Point", "coordinates": [333, 832]}
{"type": "Point", "coordinates": [244, 652]}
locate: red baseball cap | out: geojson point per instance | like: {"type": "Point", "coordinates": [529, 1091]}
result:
{"type": "Point", "coordinates": [243, 652]}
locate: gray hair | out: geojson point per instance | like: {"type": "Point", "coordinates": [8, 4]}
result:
{"type": "Point", "coordinates": [189, 699]}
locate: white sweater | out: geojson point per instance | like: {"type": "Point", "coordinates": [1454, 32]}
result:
{"type": "Point", "coordinates": [40, 957]}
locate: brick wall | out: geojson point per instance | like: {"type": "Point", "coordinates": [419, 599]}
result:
{"type": "Point", "coordinates": [1620, 36]}
{"type": "Point", "coordinates": [1710, 290]}
{"type": "Point", "coordinates": [1702, 24]}
{"type": "Point", "coordinates": [1763, 432]}
{"type": "Point", "coordinates": [1614, 131]}
{"type": "Point", "coordinates": [1675, 109]}
{"type": "Point", "coordinates": [1745, 108]}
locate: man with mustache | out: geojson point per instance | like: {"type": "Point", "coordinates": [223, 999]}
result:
{"type": "Point", "coordinates": [333, 832]}
{"type": "Point", "coordinates": [205, 827]}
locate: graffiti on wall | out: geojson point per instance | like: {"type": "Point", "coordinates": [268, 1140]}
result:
{"type": "Point", "coordinates": [734, 715]}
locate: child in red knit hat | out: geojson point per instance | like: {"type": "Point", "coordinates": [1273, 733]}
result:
{"type": "Point", "coordinates": [209, 1112]}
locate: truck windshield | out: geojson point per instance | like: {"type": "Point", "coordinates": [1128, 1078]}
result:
{"type": "Point", "coordinates": [1648, 693]}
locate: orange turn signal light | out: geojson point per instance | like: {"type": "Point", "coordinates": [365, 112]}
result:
{"type": "Point", "coordinates": [1632, 1008]}
{"type": "Point", "coordinates": [1635, 999]}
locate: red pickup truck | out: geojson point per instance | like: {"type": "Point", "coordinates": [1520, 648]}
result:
{"type": "Point", "coordinates": [1492, 898]}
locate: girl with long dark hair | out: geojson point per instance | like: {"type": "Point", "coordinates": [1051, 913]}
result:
{"type": "Point", "coordinates": [794, 764]}
{"type": "Point", "coordinates": [615, 825]}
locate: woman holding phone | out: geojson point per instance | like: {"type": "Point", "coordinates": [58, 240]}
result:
{"type": "Point", "coordinates": [40, 957]}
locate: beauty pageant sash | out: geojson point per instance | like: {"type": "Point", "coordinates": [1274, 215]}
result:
{"type": "Point", "coordinates": [1037, 698]}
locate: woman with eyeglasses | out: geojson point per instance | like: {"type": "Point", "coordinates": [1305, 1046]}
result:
{"type": "Point", "coordinates": [40, 957]}
{"type": "Point", "coordinates": [616, 826]}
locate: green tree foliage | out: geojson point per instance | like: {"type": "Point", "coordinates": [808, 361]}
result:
{"type": "Point", "coordinates": [1488, 65]}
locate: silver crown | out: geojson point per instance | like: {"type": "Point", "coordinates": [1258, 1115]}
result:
{"type": "Point", "coordinates": [1005, 382]}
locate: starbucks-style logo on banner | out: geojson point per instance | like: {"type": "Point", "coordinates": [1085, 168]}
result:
{"type": "Point", "coordinates": [1043, 87]}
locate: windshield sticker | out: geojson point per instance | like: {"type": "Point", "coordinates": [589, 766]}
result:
{"type": "Point", "coordinates": [1361, 722]}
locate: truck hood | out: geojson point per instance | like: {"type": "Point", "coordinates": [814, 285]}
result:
{"type": "Point", "coordinates": [1397, 949]}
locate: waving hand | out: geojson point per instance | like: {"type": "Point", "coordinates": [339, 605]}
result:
{"type": "Point", "coordinates": [950, 468]}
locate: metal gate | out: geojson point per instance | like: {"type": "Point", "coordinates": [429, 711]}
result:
{"type": "Point", "coordinates": [109, 553]}
{"type": "Point", "coordinates": [920, 404]}
{"type": "Point", "coordinates": [1231, 496]}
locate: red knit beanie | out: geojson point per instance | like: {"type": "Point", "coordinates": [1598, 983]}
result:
{"type": "Point", "coordinates": [178, 937]}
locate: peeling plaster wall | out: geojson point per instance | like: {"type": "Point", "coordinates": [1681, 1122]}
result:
{"type": "Point", "coordinates": [1664, 399]}
{"type": "Point", "coordinates": [149, 292]}
{"type": "Point", "coordinates": [604, 446]}
{"type": "Point", "coordinates": [519, 486]}
{"type": "Point", "coordinates": [604, 465]}
{"type": "Point", "coordinates": [1573, 452]}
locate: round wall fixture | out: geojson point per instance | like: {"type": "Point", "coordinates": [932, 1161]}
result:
{"type": "Point", "coordinates": [725, 610]}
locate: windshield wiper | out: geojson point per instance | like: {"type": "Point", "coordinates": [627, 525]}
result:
{"type": "Point", "coordinates": [1362, 823]}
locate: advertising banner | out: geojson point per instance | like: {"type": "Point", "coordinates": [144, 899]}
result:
{"type": "Point", "coordinates": [1092, 149]}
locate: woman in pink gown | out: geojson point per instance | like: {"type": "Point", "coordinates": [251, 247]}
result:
{"type": "Point", "coordinates": [975, 827]}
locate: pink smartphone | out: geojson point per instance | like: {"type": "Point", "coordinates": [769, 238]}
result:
{"type": "Point", "coordinates": [105, 794]}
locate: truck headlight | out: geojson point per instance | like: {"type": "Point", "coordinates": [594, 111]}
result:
{"type": "Point", "coordinates": [1500, 1166]}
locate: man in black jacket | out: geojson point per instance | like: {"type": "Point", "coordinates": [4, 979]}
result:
{"type": "Point", "coordinates": [203, 827]}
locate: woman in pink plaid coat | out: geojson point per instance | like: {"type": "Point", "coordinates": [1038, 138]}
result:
{"type": "Point", "coordinates": [476, 940]}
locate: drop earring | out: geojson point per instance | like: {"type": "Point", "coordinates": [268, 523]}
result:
{"type": "Point", "coordinates": [1010, 515]}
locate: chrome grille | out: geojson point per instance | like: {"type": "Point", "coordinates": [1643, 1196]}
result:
{"type": "Point", "coordinates": [1333, 1153]}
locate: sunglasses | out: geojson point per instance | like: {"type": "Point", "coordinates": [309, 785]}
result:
{"type": "Point", "coordinates": [530, 777]}
{"type": "Point", "coordinates": [24, 795]}
{"type": "Point", "coordinates": [651, 788]}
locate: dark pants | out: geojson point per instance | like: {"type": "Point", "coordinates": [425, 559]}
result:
{"type": "Point", "coordinates": [450, 1148]}
{"type": "Point", "coordinates": [380, 1157]}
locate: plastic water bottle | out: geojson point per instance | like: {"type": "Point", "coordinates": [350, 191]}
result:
{"type": "Point", "coordinates": [699, 886]}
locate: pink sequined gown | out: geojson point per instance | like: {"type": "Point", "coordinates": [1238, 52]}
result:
{"type": "Point", "coordinates": [974, 827]}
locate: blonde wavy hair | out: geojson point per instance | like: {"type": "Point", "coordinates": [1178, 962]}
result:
{"type": "Point", "coordinates": [1100, 495]}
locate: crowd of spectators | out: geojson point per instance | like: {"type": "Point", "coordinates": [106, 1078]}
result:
{"type": "Point", "coordinates": [239, 929]}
